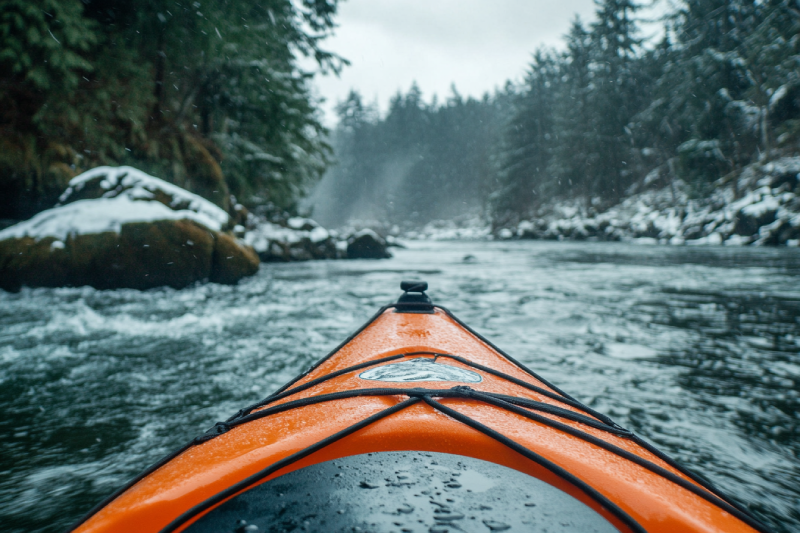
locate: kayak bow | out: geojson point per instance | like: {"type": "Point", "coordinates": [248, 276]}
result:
{"type": "Point", "coordinates": [417, 423]}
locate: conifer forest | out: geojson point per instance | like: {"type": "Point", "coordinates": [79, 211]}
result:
{"type": "Point", "coordinates": [206, 94]}
{"type": "Point", "coordinates": [211, 97]}
{"type": "Point", "coordinates": [718, 90]}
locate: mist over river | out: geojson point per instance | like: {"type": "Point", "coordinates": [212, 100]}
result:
{"type": "Point", "coordinates": [695, 349]}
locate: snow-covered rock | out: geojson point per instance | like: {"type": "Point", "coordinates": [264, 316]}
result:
{"type": "Point", "coordinates": [301, 239]}
{"type": "Point", "coordinates": [134, 185]}
{"type": "Point", "coordinates": [119, 227]}
{"type": "Point", "coordinates": [468, 228]}
{"type": "Point", "coordinates": [766, 211]}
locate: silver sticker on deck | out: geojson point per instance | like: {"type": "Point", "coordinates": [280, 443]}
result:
{"type": "Point", "coordinates": [420, 370]}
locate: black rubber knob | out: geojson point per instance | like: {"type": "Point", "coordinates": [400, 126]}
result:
{"type": "Point", "coordinates": [414, 286]}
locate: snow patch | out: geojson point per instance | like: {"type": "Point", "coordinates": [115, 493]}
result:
{"type": "Point", "coordinates": [137, 185]}
{"type": "Point", "coordinates": [98, 216]}
{"type": "Point", "coordinates": [766, 213]}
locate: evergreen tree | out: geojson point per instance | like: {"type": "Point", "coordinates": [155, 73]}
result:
{"type": "Point", "coordinates": [616, 97]}
{"type": "Point", "coordinates": [529, 142]}
{"type": "Point", "coordinates": [44, 46]}
{"type": "Point", "coordinates": [575, 153]}
{"type": "Point", "coordinates": [206, 94]}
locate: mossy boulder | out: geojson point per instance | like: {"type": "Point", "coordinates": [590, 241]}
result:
{"type": "Point", "coordinates": [231, 260]}
{"type": "Point", "coordinates": [139, 237]}
{"type": "Point", "coordinates": [143, 255]}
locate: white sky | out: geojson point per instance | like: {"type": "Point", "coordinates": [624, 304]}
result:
{"type": "Point", "coordinates": [476, 44]}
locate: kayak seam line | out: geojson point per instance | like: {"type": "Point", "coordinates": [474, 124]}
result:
{"type": "Point", "coordinates": [590, 491]}
{"type": "Point", "coordinates": [701, 491]}
{"type": "Point", "coordinates": [286, 461]}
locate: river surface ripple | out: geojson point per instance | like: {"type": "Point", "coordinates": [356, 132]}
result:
{"type": "Point", "coordinates": [695, 349]}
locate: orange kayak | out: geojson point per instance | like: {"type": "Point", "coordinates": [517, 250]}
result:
{"type": "Point", "coordinates": [417, 423]}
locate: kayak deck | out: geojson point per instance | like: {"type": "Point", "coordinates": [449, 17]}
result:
{"type": "Point", "coordinates": [416, 380]}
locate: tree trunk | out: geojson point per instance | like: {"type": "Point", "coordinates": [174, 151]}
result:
{"type": "Point", "coordinates": [161, 60]}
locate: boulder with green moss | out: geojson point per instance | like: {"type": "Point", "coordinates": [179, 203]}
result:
{"type": "Point", "coordinates": [119, 227]}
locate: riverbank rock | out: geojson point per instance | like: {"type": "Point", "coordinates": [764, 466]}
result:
{"type": "Point", "coordinates": [366, 244]}
{"type": "Point", "coordinates": [121, 228]}
{"type": "Point", "coordinates": [762, 207]}
{"type": "Point", "coordinates": [301, 239]}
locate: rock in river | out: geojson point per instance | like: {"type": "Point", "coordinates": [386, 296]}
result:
{"type": "Point", "coordinates": [366, 244]}
{"type": "Point", "coordinates": [119, 227]}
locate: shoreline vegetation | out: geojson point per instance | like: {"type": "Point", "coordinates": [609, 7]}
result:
{"type": "Point", "coordinates": [118, 227]}
{"type": "Point", "coordinates": [761, 208]}
{"type": "Point", "coordinates": [690, 137]}
{"type": "Point", "coordinates": [208, 95]}
{"type": "Point", "coordinates": [696, 111]}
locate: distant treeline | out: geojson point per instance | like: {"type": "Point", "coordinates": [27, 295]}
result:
{"type": "Point", "coordinates": [420, 162]}
{"type": "Point", "coordinates": [207, 94]}
{"type": "Point", "coordinates": [719, 90]}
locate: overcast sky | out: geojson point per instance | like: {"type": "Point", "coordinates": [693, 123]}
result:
{"type": "Point", "coordinates": [476, 44]}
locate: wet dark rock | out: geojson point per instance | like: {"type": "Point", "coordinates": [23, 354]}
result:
{"type": "Point", "coordinates": [366, 244]}
{"type": "Point", "coordinates": [496, 526]}
{"type": "Point", "coordinates": [749, 224]}
{"type": "Point", "coordinates": [231, 260]}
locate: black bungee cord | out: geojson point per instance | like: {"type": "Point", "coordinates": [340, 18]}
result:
{"type": "Point", "coordinates": [522, 406]}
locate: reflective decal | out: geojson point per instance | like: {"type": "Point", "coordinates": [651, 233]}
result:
{"type": "Point", "coordinates": [420, 370]}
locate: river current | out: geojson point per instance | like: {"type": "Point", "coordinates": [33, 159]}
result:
{"type": "Point", "coordinates": [695, 349]}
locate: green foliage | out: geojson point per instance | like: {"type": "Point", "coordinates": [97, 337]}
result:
{"type": "Point", "coordinates": [44, 42]}
{"type": "Point", "coordinates": [609, 114]}
{"type": "Point", "coordinates": [530, 140]}
{"type": "Point", "coordinates": [206, 94]}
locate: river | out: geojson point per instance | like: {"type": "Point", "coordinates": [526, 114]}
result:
{"type": "Point", "coordinates": [695, 349]}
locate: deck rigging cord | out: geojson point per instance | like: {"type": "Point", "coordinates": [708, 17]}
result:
{"type": "Point", "coordinates": [525, 407]}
